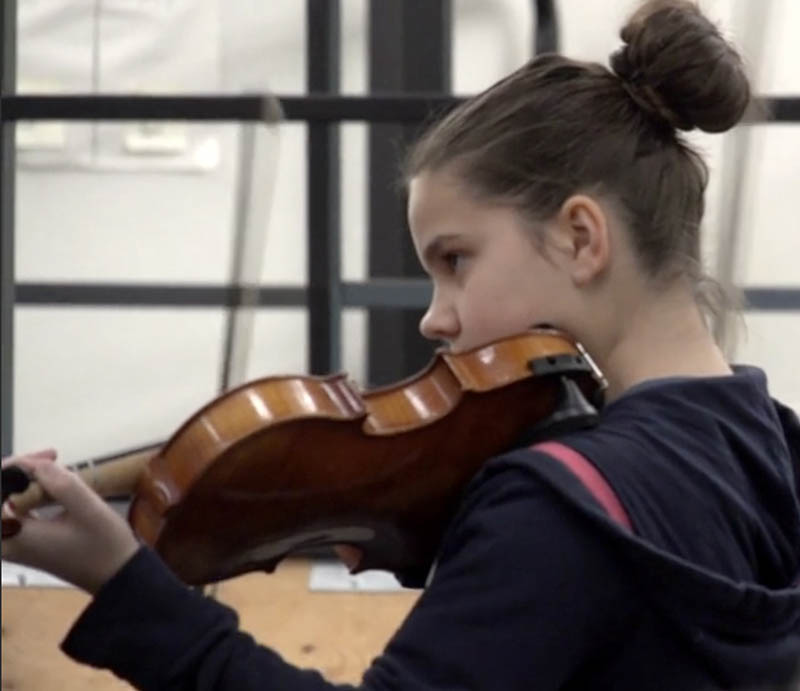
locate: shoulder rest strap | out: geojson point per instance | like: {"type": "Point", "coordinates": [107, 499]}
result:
{"type": "Point", "coordinates": [590, 477]}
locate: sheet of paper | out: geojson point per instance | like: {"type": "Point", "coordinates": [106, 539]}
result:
{"type": "Point", "coordinates": [15, 576]}
{"type": "Point", "coordinates": [333, 576]}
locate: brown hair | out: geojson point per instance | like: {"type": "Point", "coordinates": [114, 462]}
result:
{"type": "Point", "coordinates": [557, 126]}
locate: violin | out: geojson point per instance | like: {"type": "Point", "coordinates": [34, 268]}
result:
{"type": "Point", "coordinates": [289, 462]}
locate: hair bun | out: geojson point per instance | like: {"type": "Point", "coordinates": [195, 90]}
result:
{"type": "Point", "coordinates": [677, 66]}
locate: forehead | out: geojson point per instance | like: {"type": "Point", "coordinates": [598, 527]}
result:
{"type": "Point", "coordinates": [438, 203]}
{"type": "Point", "coordinates": [429, 195]}
{"type": "Point", "coordinates": [441, 206]}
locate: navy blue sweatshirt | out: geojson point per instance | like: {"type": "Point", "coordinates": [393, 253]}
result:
{"type": "Point", "coordinates": [535, 586]}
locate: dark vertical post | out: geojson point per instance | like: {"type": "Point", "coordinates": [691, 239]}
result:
{"type": "Point", "coordinates": [545, 36]}
{"type": "Point", "coordinates": [8, 74]}
{"type": "Point", "coordinates": [324, 266]}
{"type": "Point", "coordinates": [409, 51]}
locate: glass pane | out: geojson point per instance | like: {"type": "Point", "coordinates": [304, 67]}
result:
{"type": "Point", "coordinates": [160, 46]}
{"type": "Point", "coordinates": [94, 381]}
{"type": "Point", "coordinates": [107, 212]}
{"type": "Point", "coordinates": [279, 343]}
{"type": "Point", "coordinates": [771, 231]}
{"type": "Point", "coordinates": [354, 345]}
{"type": "Point", "coordinates": [355, 203]}
{"type": "Point", "coordinates": [770, 342]}
{"type": "Point", "coordinates": [146, 203]}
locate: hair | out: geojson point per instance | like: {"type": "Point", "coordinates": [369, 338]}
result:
{"type": "Point", "coordinates": [558, 126]}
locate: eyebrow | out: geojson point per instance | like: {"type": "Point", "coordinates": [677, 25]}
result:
{"type": "Point", "coordinates": [435, 246]}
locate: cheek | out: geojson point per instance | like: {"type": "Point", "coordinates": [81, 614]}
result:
{"type": "Point", "coordinates": [509, 284]}
{"type": "Point", "coordinates": [502, 303]}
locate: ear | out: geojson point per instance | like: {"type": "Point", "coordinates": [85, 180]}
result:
{"type": "Point", "coordinates": [581, 233]}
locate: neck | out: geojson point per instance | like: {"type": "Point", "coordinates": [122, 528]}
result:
{"type": "Point", "coordinates": [663, 336]}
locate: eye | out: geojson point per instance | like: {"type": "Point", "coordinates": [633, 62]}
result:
{"type": "Point", "coordinates": [453, 260]}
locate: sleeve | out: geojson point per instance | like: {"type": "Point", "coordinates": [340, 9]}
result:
{"type": "Point", "coordinates": [524, 595]}
{"type": "Point", "coordinates": [154, 632]}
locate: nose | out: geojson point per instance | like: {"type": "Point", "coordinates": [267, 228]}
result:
{"type": "Point", "coordinates": [440, 322]}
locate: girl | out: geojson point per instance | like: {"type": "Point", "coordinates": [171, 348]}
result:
{"type": "Point", "coordinates": [564, 194]}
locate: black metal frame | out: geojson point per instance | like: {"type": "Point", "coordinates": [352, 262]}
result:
{"type": "Point", "coordinates": [545, 35]}
{"type": "Point", "coordinates": [323, 201]}
{"type": "Point", "coordinates": [8, 74]}
{"type": "Point", "coordinates": [409, 51]}
{"type": "Point", "coordinates": [315, 108]}
{"type": "Point", "coordinates": [401, 292]}
{"type": "Point", "coordinates": [326, 294]}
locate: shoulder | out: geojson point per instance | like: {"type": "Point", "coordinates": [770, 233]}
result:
{"type": "Point", "coordinates": [522, 506]}
{"type": "Point", "coordinates": [534, 482]}
{"type": "Point", "coordinates": [509, 599]}
{"type": "Point", "coordinates": [511, 581]}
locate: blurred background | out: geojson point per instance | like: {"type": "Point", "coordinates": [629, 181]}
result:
{"type": "Point", "coordinates": [126, 234]}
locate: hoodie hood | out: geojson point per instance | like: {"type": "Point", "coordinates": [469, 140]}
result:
{"type": "Point", "coordinates": [709, 471]}
{"type": "Point", "coordinates": [791, 432]}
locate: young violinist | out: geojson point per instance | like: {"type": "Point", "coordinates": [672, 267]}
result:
{"type": "Point", "coordinates": [565, 194]}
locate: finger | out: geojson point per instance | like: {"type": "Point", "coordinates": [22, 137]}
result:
{"type": "Point", "coordinates": [67, 489]}
{"type": "Point", "coordinates": [48, 454]}
{"type": "Point", "coordinates": [34, 542]}
{"type": "Point", "coordinates": [11, 526]}
{"type": "Point", "coordinates": [19, 471]}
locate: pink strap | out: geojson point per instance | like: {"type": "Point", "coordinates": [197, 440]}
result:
{"type": "Point", "coordinates": [590, 477]}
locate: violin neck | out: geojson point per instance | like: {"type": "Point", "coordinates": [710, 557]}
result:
{"type": "Point", "coordinates": [117, 475]}
{"type": "Point", "coordinates": [108, 477]}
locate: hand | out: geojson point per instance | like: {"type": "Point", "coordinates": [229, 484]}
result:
{"type": "Point", "coordinates": [86, 544]}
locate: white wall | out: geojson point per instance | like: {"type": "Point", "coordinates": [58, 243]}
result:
{"type": "Point", "coordinates": [92, 381]}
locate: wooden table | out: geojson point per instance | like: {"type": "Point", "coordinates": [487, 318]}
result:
{"type": "Point", "coordinates": [337, 633]}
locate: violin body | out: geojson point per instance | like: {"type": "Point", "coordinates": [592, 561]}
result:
{"type": "Point", "coordinates": [284, 463]}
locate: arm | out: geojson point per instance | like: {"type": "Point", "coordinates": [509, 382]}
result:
{"type": "Point", "coordinates": [153, 631]}
{"type": "Point", "coordinates": [143, 623]}
{"type": "Point", "coordinates": [523, 596]}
